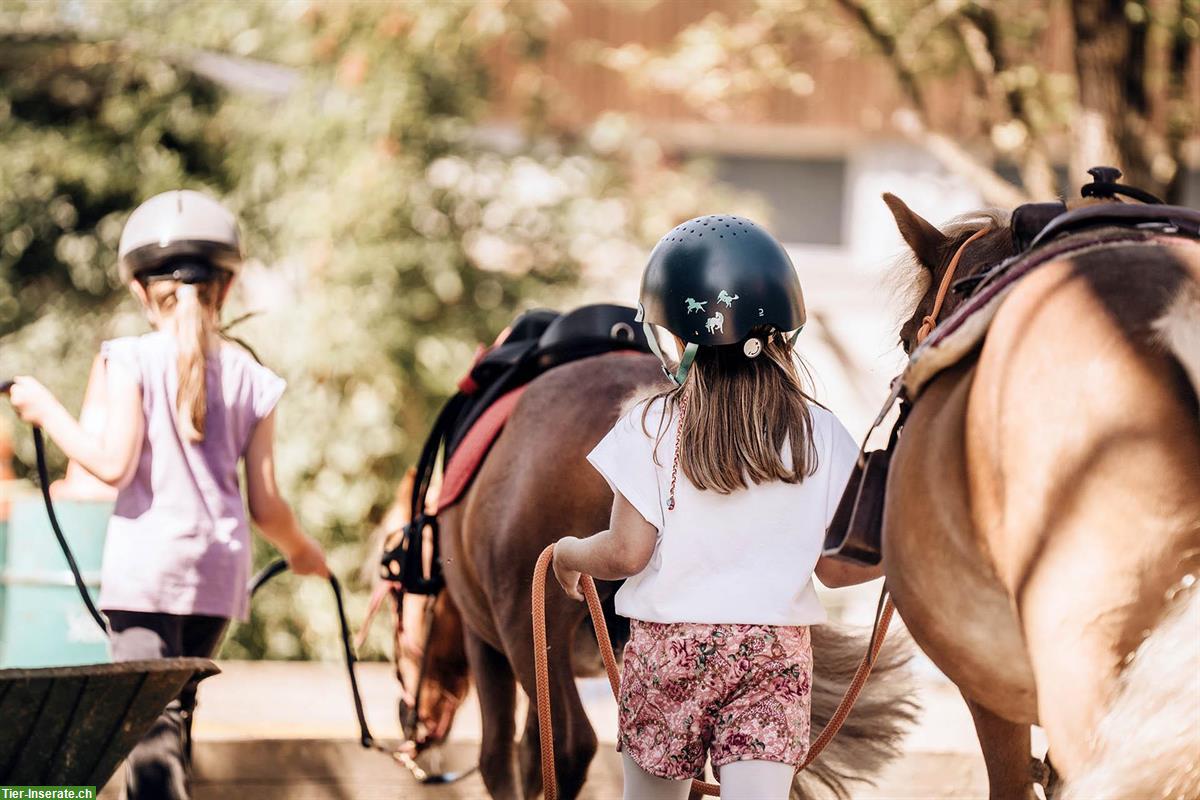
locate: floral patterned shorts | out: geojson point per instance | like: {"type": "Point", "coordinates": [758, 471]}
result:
{"type": "Point", "coordinates": [734, 692]}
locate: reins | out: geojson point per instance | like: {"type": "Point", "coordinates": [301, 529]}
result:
{"type": "Point", "coordinates": [365, 737]}
{"type": "Point", "coordinates": [279, 566]}
{"type": "Point", "coordinates": [883, 618]}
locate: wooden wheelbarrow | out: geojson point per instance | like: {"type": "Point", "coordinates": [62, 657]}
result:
{"type": "Point", "coordinates": [72, 726]}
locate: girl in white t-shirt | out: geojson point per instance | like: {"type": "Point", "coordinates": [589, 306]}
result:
{"type": "Point", "coordinates": [724, 485]}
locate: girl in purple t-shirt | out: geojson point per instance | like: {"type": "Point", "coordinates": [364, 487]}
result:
{"type": "Point", "coordinates": [183, 408]}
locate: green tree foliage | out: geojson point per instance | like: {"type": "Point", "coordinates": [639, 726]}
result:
{"type": "Point", "coordinates": [391, 226]}
{"type": "Point", "coordinates": [87, 132]}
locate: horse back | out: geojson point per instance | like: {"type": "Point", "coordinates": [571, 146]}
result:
{"type": "Point", "coordinates": [535, 487]}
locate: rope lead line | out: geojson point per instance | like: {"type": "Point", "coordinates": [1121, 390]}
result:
{"type": "Point", "coordinates": [542, 673]}
{"type": "Point", "coordinates": [276, 567]}
{"type": "Point", "coordinates": [39, 446]}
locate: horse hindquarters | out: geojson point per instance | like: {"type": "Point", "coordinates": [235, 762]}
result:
{"type": "Point", "coordinates": [1082, 454]}
{"type": "Point", "coordinates": [535, 487]}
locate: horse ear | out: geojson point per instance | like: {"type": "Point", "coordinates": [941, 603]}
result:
{"type": "Point", "coordinates": [926, 241]}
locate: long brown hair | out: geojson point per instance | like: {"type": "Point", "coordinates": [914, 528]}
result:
{"type": "Point", "coordinates": [740, 412]}
{"type": "Point", "coordinates": [193, 308]}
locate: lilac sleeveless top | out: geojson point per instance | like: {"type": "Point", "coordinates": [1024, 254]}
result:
{"type": "Point", "coordinates": [178, 540]}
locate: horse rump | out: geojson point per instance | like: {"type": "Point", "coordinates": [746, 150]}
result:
{"type": "Point", "coordinates": [1146, 745]}
{"type": "Point", "coordinates": [873, 733]}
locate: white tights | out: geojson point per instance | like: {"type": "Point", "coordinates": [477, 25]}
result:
{"type": "Point", "coordinates": [741, 780]}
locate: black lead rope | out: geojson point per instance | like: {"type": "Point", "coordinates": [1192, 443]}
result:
{"type": "Point", "coordinates": [39, 445]}
{"type": "Point", "coordinates": [275, 568]}
{"type": "Point", "coordinates": [365, 738]}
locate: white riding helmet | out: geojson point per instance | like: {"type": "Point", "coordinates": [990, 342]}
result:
{"type": "Point", "coordinates": [180, 228]}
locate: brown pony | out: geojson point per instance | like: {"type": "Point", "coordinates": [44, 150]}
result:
{"type": "Point", "coordinates": [535, 487]}
{"type": "Point", "coordinates": [1042, 526]}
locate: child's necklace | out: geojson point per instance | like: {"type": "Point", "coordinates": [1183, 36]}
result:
{"type": "Point", "coordinates": [683, 402]}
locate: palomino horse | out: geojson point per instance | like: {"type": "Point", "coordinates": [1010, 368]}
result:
{"type": "Point", "coordinates": [535, 487]}
{"type": "Point", "coordinates": [1042, 526]}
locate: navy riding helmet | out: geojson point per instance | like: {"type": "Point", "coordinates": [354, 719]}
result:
{"type": "Point", "coordinates": [712, 280]}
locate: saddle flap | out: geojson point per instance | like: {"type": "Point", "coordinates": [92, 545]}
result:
{"type": "Point", "coordinates": [856, 532]}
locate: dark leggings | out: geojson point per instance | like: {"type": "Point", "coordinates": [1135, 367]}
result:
{"type": "Point", "coordinates": [158, 768]}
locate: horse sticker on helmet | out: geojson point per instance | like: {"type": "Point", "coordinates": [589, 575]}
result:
{"type": "Point", "coordinates": [746, 274]}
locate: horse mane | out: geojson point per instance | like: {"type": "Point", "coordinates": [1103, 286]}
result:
{"type": "Point", "coordinates": [908, 280]}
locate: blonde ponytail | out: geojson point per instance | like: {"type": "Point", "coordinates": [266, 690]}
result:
{"type": "Point", "coordinates": [194, 319]}
{"type": "Point", "coordinates": [193, 331]}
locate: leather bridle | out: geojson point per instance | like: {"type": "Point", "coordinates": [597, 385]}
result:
{"type": "Point", "coordinates": [931, 319]}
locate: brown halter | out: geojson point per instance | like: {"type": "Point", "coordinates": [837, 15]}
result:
{"type": "Point", "coordinates": [930, 321]}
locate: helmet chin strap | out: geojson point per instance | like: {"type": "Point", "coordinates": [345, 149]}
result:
{"type": "Point", "coordinates": [685, 362]}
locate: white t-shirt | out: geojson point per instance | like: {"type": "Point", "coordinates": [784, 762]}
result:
{"type": "Point", "coordinates": [741, 558]}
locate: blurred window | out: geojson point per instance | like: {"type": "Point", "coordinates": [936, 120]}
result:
{"type": "Point", "coordinates": [807, 197]}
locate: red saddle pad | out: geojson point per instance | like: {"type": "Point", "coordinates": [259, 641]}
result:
{"type": "Point", "coordinates": [465, 462]}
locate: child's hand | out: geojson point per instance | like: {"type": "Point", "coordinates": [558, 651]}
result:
{"type": "Point", "coordinates": [32, 401]}
{"type": "Point", "coordinates": [307, 558]}
{"type": "Point", "coordinates": [568, 579]}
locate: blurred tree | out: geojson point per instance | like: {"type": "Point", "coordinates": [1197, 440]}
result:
{"type": "Point", "coordinates": [400, 227]}
{"type": "Point", "coordinates": [88, 131]}
{"type": "Point", "coordinates": [1092, 81]}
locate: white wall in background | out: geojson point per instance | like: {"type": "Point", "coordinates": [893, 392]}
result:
{"type": "Point", "coordinates": [911, 174]}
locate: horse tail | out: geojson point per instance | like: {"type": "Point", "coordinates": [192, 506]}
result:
{"type": "Point", "coordinates": [872, 734]}
{"type": "Point", "coordinates": [1146, 744]}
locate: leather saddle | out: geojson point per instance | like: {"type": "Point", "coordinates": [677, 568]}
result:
{"type": "Point", "coordinates": [536, 342]}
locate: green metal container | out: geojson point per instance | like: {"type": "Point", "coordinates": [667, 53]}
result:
{"type": "Point", "coordinates": [43, 622]}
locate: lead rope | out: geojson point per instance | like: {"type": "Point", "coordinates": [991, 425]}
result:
{"type": "Point", "coordinates": [542, 673]}
{"type": "Point", "coordinates": [365, 738]}
{"type": "Point", "coordinates": [279, 566]}
{"type": "Point", "coordinates": [39, 447]}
